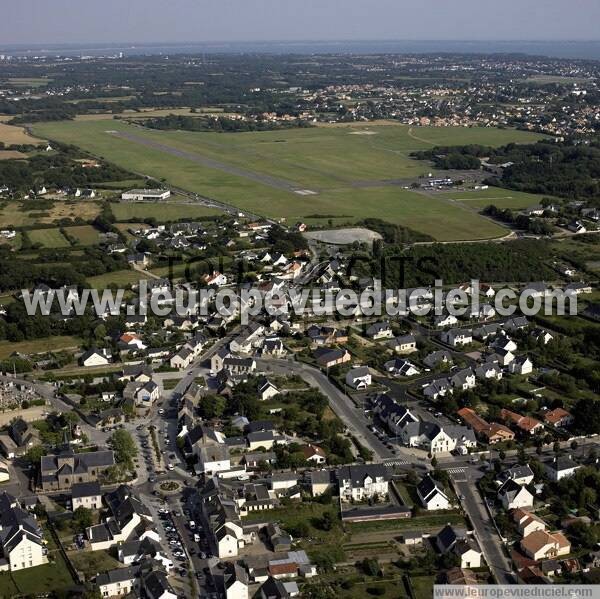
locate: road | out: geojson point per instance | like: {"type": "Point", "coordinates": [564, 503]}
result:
{"type": "Point", "coordinates": [340, 403]}
{"type": "Point", "coordinates": [485, 532]}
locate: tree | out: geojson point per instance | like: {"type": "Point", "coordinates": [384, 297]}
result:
{"type": "Point", "coordinates": [326, 522]}
{"type": "Point", "coordinates": [82, 517]}
{"type": "Point", "coordinates": [124, 447]}
{"type": "Point", "coordinates": [34, 454]}
{"type": "Point", "coordinates": [587, 415]}
{"type": "Point", "coordinates": [370, 567]}
{"type": "Point", "coordinates": [212, 406]}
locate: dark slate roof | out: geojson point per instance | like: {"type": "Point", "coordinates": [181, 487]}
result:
{"type": "Point", "coordinates": [79, 490]}
{"type": "Point", "coordinates": [447, 537]}
{"type": "Point", "coordinates": [116, 575]}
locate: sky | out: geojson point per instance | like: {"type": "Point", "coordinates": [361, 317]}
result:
{"type": "Point", "coordinates": [115, 21]}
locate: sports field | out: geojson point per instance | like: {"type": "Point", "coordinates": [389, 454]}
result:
{"type": "Point", "coordinates": [353, 171]}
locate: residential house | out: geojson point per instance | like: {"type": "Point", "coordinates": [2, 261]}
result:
{"type": "Point", "coordinates": [405, 344]}
{"type": "Point", "coordinates": [438, 388]}
{"type": "Point", "coordinates": [379, 330]}
{"type": "Point", "coordinates": [95, 357]}
{"type": "Point", "coordinates": [314, 454]}
{"type": "Point", "coordinates": [213, 459]}
{"type": "Point", "coordinates": [328, 358]}
{"type": "Point", "coordinates": [527, 522]}
{"type": "Point", "coordinates": [266, 389]}
{"type": "Point", "coordinates": [235, 581]}
{"type": "Point", "coordinates": [542, 544]}
{"type": "Point", "coordinates": [468, 553]}
{"type": "Point", "coordinates": [525, 424]}
{"type": "Point", "coordinates": [117, 582]}
{"type": "Point", "coordinates": [445, 320]}
{"type": "Point", "coordinates": [215, 278]}
{"type": "Point", "coordinates": [491, 433]}
{"type": "Point", "coordinates": [320, 482]}
{"type": "Point", "coordinates": [513, 496]}
{"type": "Point", "coordinates": [432, 494]}
{"type": "Point", "coordinates": [133, 552]}
{"type": "Point", "coordinates": [87, 495]}
{"type": "Point", "coordinates": [22, 543]}
{"type": "Point", "coordinates": [463, 379]}
{"type": "Point", "coordinates": [438, 358]}
{"type": "Point", "coordinates": [559, 417]}
{"type": "Point", "coordinates": [561, 467]}
{"type": "Point", "coordinates": [128, 515]}
{"type": "Point", "coordinates": [522, 475]}
{"type": "Point", "coordinates": [488, 370]}
{"type": "Point", "coordinates": [362, 482]}
{"type": "Point", "coordinates": [521, 365]}
{"type": "Point", "coordinates": [457, 337]}
{"type": "Point", "coordinates": [401, 367]}
{"type": "Point", "coordinates": [358, 378]}
{"type": "Point", "coordinates": [157, 586]}
{"type": "Point", "coordinates": [182, 359]}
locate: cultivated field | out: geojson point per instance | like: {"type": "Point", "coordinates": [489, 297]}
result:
{"type": "Point", "coordinates": [348, 172]}
{"type": "Point", "coordinates": [11, 134]}
{"type": "Point", "coordinates": [11, 155]}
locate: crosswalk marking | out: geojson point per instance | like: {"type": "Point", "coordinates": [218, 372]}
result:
{"type": "Point", "coordinates": [456, 470]}
{"type": "Point", "coordinates": [397, 463]}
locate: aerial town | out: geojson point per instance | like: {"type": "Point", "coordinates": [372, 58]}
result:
{"type": "Point", "coordinates": [157, 446]}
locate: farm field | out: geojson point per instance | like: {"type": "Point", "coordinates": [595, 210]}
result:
{"type": "Point", "coordinates": [11, 134]}
{"type": "Point", "coordinates": [11, 155]}
{"type": "Point", "coordinates": [350, 170]}
{"type": "Point", "coordinates": [15, 214]}
{"type": "Point", "coordinates": [49, 238]}
{"type": "Point", "coordinates": [162, 211]}
{"type": "Point", "coordinates": [38, 345]}
{"type": "Point", "coordinates": [501, 198]}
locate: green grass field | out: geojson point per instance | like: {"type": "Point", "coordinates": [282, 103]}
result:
{"type": "Point", "coordinates": [501, 198]}
{"type": "Point", "coordinates": [334, 162]}
{"type": "Point", "coordinates": [38, 346]}
{"type": "Point", "coordinates": [119, 278]}
{"type": "Point", "coordinates": [85, 234]}
{"type": "Point", "coordinates": [49, 238]}
{"type": "Point", "coordinates": [164, 212]}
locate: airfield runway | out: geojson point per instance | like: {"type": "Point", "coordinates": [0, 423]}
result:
{"type": "Point", "coordinates": [211, 163]}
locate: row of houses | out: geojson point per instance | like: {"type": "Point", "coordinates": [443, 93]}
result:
{"type": "Point", "coordinates": [414, 432]}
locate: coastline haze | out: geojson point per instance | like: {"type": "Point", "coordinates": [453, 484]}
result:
{"type": "Point", "coordinates": [33, 22]}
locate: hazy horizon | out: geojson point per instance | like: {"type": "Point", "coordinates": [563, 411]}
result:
{"type": "Point", "coordinates": [39, 23]}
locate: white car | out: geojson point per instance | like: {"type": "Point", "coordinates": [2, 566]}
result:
{"type": "Point", "coordinates": [161, 411]}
